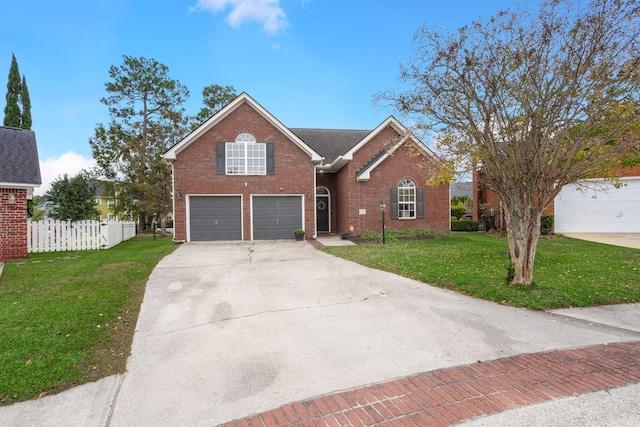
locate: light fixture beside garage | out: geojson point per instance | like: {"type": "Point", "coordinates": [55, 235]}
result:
{"type": "Point", "coordinates": [179, 195]}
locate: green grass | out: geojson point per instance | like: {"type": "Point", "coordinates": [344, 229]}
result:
{"type": "Point", "coordinates": [568, 272]}
{"type": "Point", "coordinates": [67, 318]}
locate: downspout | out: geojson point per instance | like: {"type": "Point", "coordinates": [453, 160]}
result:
{"type": "Point", "coordinates": [315, 213]}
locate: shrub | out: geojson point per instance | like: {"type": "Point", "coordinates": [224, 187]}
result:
{"type": "Point", "coordinates": [546, 224]}
{"type": "Point", "coordinates": [371, 235]}
{"type": "Point", "coordinates": [458, 211]}
{"type": "Point", "coordinates": [465, 225]}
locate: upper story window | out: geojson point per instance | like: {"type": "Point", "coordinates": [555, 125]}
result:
{"type": "Point", "coordinates": [245, 156]}
{"type": "Point", "coordinates": [98, 201]}
{"type": "Point", "coordinates": [406, 199]}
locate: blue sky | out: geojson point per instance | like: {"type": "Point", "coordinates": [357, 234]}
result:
{"type": "Point", "coordinates": [311, 63]}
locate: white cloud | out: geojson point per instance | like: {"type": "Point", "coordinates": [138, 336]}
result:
{"type": "Point", "coordinates": [267, 12]}
{"type": "Point", "coordinates": [54, 167]}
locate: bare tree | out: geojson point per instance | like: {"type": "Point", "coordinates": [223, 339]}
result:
{"type": "Point", "coordinates": [539, 98]}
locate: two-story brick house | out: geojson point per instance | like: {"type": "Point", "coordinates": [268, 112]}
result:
{"type": "Point", "coordinates": [243, 175]}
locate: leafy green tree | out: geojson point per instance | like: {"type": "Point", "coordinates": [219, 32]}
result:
{"type": "Point", "coordinates": [72, 199]}
{"type": "Point", "coordinates": [25, 100]}
{"type": "Point", "coordinates": [34, 211]}
{"type": "Point", "coordinates": [215, 98]}
{"type": "Point", "coordinates": [142, 100]}
{"type": "Point", "coordinates": [12, 116]}
{"type": "Point", "coordinates": [528, 95]}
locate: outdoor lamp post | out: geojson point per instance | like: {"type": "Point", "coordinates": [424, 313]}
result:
{"type": "Point", "coordinates": [383, 209]}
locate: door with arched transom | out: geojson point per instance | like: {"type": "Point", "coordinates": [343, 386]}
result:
{"type": "Point", "coordinates": [323, 210]}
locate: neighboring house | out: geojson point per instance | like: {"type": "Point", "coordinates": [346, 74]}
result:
{"type": "Point", "coordinates": [243, 175]}
{"type": "Point", "coordinates": [19, 175]}
{"type": "Point", "coordinates": [104, 203]}
{"type": "Point", "coordinates": [599, 207]}
{"type": "Point", "coordinates": [590, 206]}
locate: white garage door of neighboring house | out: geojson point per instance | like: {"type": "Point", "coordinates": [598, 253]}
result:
{"type": "Point", "coordinates": [215, 218]}
{"type": "Point", "coordinates": [611, 210]}
{"type": "Point", "coordinates": [275, 217]}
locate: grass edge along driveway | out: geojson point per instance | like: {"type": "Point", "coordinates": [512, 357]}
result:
{"type": "Point", "coordinates": [68, 318]}
{"type": "Point", "coordinates": [568, 272]}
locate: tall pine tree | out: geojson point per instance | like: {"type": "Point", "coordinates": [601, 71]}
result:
{"type": "Point", "coordinates": [12, 116]}
{"type": "Point", "coordinates": [25, 100]}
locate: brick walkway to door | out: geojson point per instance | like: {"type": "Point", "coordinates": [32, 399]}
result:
{"type": "Point", "coordinates": [451, 395]}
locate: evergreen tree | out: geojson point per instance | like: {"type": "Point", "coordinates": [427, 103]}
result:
{"type": "Point", "coordinates": [146, 114]}
{"type": "Point", "coordinates": [12, 109]}
{"type": "Point", "coordinates": [25, 100]}
{"type": "Point", "coordinates": [214, 98]}
{"type": "Point", "coordinates": [72, 199]}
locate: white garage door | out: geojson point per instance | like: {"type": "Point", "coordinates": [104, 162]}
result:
{"type": "Point", "coordinates": [605, 210]}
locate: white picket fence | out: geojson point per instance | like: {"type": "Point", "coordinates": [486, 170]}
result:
{"type": "Point", "coordinates": [51, 235]}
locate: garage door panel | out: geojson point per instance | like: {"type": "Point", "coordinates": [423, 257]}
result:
{"type": "Point", "coordinates": [215, 218]}
{"type": "Point", "coordinates": [275, 217]}
{"type": "Point", "coordinates": [611, 210]}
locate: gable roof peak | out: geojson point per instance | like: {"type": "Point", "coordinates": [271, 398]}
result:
{"type": "Point", "coordinates": [243, 98]}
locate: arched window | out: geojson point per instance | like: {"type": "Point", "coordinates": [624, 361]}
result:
{"type": "Point", "coordinates": [245, 156]}
{"type": "Point", "coordinates": [322, 190]}
{"type": "Point", "coordinates": [245, 137]}
{"type": "Point", "coordinates": [406, 199]}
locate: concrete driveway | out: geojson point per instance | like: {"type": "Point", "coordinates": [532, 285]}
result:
{"type": "Point", "coordinates": [232, 329]}
{"type": "Point", "coordinates": [629, 240]}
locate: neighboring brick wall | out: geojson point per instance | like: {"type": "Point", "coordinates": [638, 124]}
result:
{"type": "Point", "coordinates": [13, 224]}
{"type": "Point", "coordinates": [195, 169]}
{"type": "Point", "coordinates": [406, 162]}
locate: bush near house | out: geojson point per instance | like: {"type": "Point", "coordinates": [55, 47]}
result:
{"type": "Point", "coordinates": [465, 225]}
{"type": "Point", "coordinates": [546, 224]}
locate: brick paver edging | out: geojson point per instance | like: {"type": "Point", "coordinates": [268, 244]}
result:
{"type": "Point", "coordinates": [451, 395]}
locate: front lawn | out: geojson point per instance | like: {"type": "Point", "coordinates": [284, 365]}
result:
{"type": "Point", "coordinates": [67, 318]}
{"type": "Point", "coordinates": [568, 272]}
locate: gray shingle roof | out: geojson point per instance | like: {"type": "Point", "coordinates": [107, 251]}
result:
{"type": "Point", "coordinates": [330, 143]}
{"type": "Point", "coordinates": [19, 157]}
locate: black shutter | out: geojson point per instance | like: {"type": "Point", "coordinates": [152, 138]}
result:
{"type": "Point", "coordinates": [271, 163]}
{"type": "Point", "coordinates": [420, 203]}
{"type": "Point", "coordinates": [220, 152]}
{"type": "Point", "coordinates": [394, 203]}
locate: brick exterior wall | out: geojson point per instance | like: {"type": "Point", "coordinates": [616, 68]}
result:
{"type": "Point", "coordinates": [353, 195]}
{"type": "Point", "coordinates": [195, 170]}
{"type": "Point", "coordinates": [13, 224]}
{"type": "Point", "coordinates": [354, 204]}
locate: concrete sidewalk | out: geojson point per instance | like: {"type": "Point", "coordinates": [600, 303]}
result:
{"type": "Point", "coordinates": [227, 330]}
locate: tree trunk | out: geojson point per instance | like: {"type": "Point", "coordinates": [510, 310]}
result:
{"type": "Point", "coordinates": [163, 224]}
{"type": "Point", "coordinates": [523, 231]}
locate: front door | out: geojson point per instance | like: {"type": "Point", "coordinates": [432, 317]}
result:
{"type": "Point", "coordinates": [322, 213]}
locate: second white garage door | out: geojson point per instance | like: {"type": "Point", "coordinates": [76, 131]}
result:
{"type": "Point", "coordinates": [613, 210]}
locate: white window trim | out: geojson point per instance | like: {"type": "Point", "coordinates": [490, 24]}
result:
{"type": "Point", "coordinates": [247, 140]}
{"type": "Point", "coordinates": [411, 204]}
